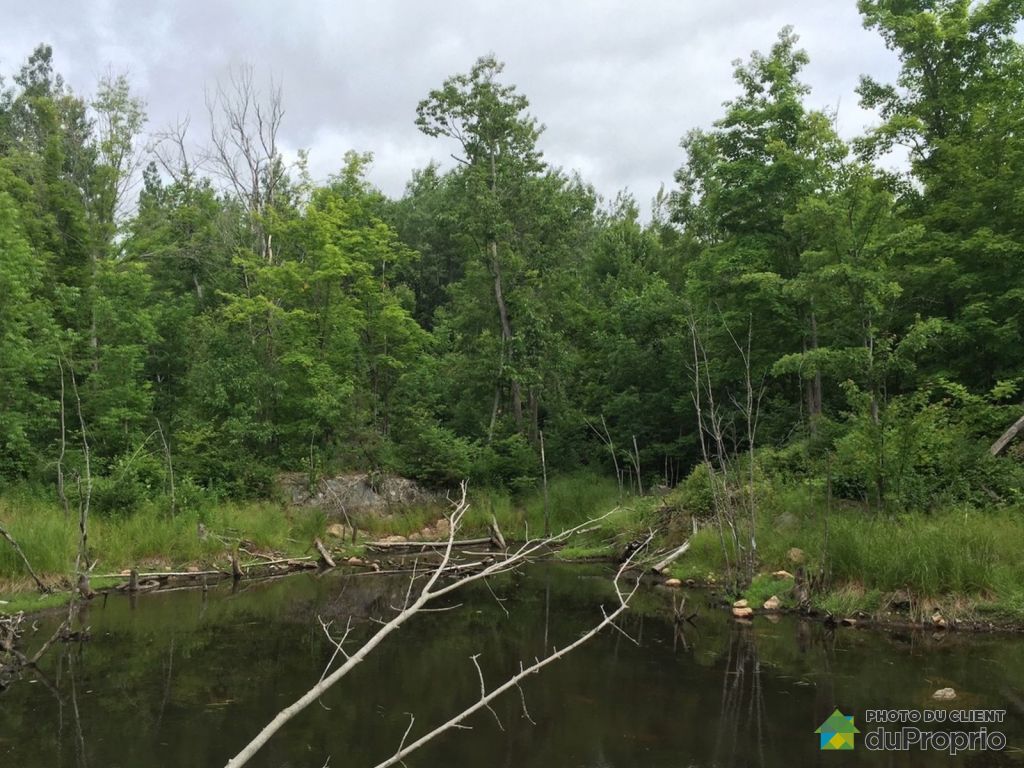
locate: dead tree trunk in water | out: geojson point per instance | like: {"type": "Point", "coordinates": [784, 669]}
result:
{"type": "Point", "coordinates": [325, 556]}
{"type": "Point", "coordinates": [84, 499]}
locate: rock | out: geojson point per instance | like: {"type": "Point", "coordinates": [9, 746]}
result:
{"type": "Point", "coordinates": [938, 620]}
{"type": "Point", "coordinates": [192, 569]}
{"type": "Point", "coordinates": [740, 604]}
{"type": "Point", "coordinates": [782, 575]}
{"type": "Point", "coordinates": [786, 521]}
{"type": "Point", "coordinates": [944, 694]}
{"type": "Point", "coordinates": [374, 492]}
{"type": "Point", "coordinates": [395, 540]}
{"type": "Point", "coordinates": [742, 612]}
{"type": "Point", "coordinates": [900, 600]}
{"type": "Point", "coordinates": [354, 561]}
{"type": "Point", "coordinates": [848, 622]}
{"type": "Point", "coordinates": [339, 531]}
{"type": "Point", "coordinates": [796, 556]}
{"type": "Point", "coordinates": [673, 583]}
{"type": "Point", "coordinates": [443, 527]}
{"type": "Point", "coordinates": [772, 603]}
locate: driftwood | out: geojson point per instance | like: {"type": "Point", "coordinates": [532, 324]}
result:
{"type": "Point", "coordinates": [672, 556]}
{"type": "Point", "coordinates": [1007, 436]}
{"type": "Point", "coordinates": [236, 570]}
{"type": "Point", "coordinates": [325, 556]}
{"type": "Point", "coordinates": [163, 575]}
{"type": "Point", "coordinates": [427, 544]}
{"type": "Point", "coordinates": [496, 538]}
{"type": "Point", "coordinates": [17, 548]}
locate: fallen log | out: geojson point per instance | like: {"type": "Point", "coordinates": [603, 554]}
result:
{"type": "Point", "coordinates": [17, 548]}
{"type": "Point", "coordinates": [325, 556]}
{"type": "Point", "coordinates": [672, 556]}
{"type": "Point", "coordinates": [1007, 436]}
{"type": "Point", "coordinates": [497, 539]}
{"type": "Point", "coordinates": [297, 562]}
{"type": "Point", "coordinates": [427, 544]}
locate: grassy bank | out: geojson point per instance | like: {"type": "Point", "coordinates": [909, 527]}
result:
{"type": "Point", "coordinates": [572, 499]}
{"type": "Point", "coordinates": [965, 562]}
{"type": "Point", "coordinates": [150, 538]}
{"type": "Point", "coordinates": [153, 538]}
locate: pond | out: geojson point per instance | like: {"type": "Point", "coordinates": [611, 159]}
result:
{"type": "Point", "coordinates": [186, 679]}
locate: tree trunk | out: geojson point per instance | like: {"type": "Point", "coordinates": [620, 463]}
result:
{"type": "Point", "coordinates": [1007, 437]}
{"type": "Point", "coordinates": [506, 333]}
{"type": "Point", "coordinates": [814, 385]}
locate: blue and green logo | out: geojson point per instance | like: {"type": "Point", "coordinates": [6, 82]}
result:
{"type": "Point", "coordinates": [837, 732]}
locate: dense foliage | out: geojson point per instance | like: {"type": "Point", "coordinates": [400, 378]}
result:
{"type": "Point", "coordinates": [207, 321]}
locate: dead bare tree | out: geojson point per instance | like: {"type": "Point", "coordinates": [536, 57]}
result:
{"type": "Point", "coordinates": [606, 438]}
{"type": "Point", "coordinates": [170, 465]}
{"type": "Point", "coordinates": [63, 447]}
{"type": "Point", "coordinates": [244, 151]}
{"type": "Point", "coordinates": [84, 498]}
{"type": "Point", "coordinates": [734, 493]}
{"type": "Point", "coordinates": [17, 548]}
{"type": "Point", "coordinates": [170, 148]}
{"type": "Point", "coordinates": [432, 589]}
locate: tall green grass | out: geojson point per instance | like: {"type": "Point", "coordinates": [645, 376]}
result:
{"type": "Point", "coordinates": [572, 499]}
{"type": "Point", "coordinates": [954, 551]}
{"type": "Point", "coordinates": [149, 536]}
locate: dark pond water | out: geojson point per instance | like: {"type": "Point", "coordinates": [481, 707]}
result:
{"type": "Point", "coordinates": [180, 679]}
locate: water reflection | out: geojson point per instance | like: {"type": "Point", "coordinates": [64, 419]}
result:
{"type": "Point", "coordinates": [186, 678]}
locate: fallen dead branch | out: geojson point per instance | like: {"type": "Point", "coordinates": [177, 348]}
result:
{"type": "Point", "coordinates": [672, 557]}
{"type": "Point", "coordinates": [17, 548]}
{"type": "Point", "coordinates": [426, 544]}
{"type": "Point", "coordinates": [325, 556]}
{"type": "Point", "coordinates": [404, 750]}
{"type": "Point", "coordinates": [432, 589]}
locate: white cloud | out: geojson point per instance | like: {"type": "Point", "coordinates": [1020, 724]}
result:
{"type": "Point", "coordinates": [616, 83]}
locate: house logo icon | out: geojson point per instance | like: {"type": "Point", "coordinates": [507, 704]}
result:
{"type": "Point", "coordinates": [837, 732]}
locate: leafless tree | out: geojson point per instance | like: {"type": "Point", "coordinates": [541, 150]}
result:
{"type": "Point", "coordinates": [171, 150]}
{"type": "Point", "coordinates": [244, 151]}
{"type": "Point", "coordinates": [733, 493]}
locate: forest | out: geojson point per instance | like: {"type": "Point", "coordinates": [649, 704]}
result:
{"type": "Point", "coordinates": [183, 317]}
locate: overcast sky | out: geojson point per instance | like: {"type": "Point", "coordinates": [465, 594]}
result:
{"type": "Point", "coordinates": [616, 83]}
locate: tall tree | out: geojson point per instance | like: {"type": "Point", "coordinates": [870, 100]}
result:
{"type": "Point", "coordinates": [956, 107]}
{"type": "Point", "coordinates": [499, 155]}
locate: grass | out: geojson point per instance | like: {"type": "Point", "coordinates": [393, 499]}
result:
{"type": "Point", "coordinates": [764, 586]}
{"type": "Point", "coordinates": [948, 556]}
{"type": "Point", "coordinates": [572, 499]}
{"type": "Point", "coordinates": [148, 538]}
